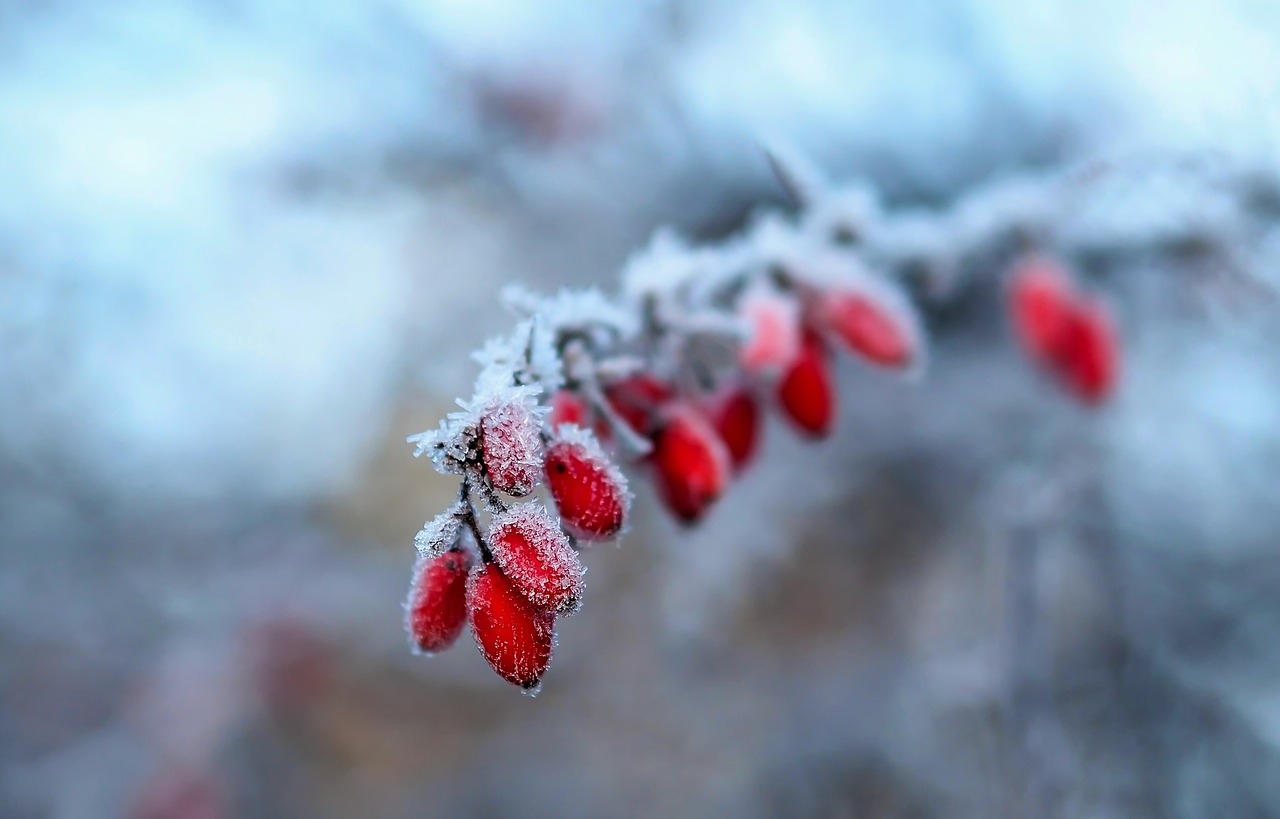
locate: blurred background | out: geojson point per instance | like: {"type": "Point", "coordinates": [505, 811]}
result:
{"type": "Point", "coordinates": [245, 249]}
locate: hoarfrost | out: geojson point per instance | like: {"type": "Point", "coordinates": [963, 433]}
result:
{"type": "Point", "coordinates": [441, 533]}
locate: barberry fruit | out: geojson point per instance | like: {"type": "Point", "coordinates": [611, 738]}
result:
{"type": "Point", "coordinates": [691, 463]}
{"type": "Point", "coordinates": [638, 399]}
{"type": "Point", "coordinates": [1041, 296]}
{"type": "Point", "coordinates": [590, 492]}
{"type": "Point", "coordinates": [806, 392]}
{"type": "Point", "coordinates": [510, 439]}
{"type": "Point", "coordinates": [534, 554]}
{"type": "Point", "coordinates": [876, 323]}
{"type": "Point", "coordinates": [180, 794]}
{"type": "Point", "coordinates": [735, 413]}
{"type": "Point", "coordinates": [515, 637]}
{"type": "Point", "coordinates": [437, 610]}
{"type": "Point", "coordinates": [773, 332]}
{"type": "Point", "coordinates": [1086, 358]}
{"type": "Point", "coordinates": [567, 408]}
{"type": "Point", "coordinates": [1067, 332]}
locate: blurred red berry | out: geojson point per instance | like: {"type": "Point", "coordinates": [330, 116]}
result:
{"type": "Point", "coordinates": [515, 637]}
{"type": "Point", "coordinates": [568, 408]}
{"type": "Point", "coordinates": [1063, 330]}
{"type": "Point", "coordinates": [290, 661]}
{"type": "Point", "coordinates": [773, 332]}
{"type": "Point", "coordinates": [1086, 358]}
{"type": "Point", "coordinates": [510, 436]}
{"type": "Point", "coordinates": [806, 391]}
{"type": "Point", "coordinates": [437, 606]}
{"type": "Point", "coordinates": [180, 794]}
{"type": "Point", "coordinates": [588, 489]}
{"type": "Point", "coordinates": [691, 463]}
{"type": "Point", "coordinates": [877, 329]}
{"type": "Point", "coordinates": [637, 400]}
{"type": "Point", "coordinates": [1041, 296]}
{"type": "Point", "coordinates": [534, 554]}
{"type": "Point", "coordinates": [735, 413]}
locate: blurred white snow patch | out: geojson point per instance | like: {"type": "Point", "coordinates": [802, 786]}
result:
{"type": "Point", "coordinates": [182, 326]}
{"type": "Point", "coordinates": [1195, 442]}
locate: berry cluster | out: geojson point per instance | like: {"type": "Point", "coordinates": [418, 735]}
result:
{"type": "Point", "coordinates": [672, 376]}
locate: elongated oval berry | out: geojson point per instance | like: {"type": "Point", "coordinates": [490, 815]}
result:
{"type": "Point", "coordinates": [512, 446]}
{"type": "Point", "coordinates": [875, 323]}
{"type": "Point", "coordinates": [534, 554]}
{"type": "Point", "coordinates": [806, 392]}
{"type": "Point", "coordinates": [691, 464]}
{"type": "Point", "coordinates": [515, 637]}
{"type": "Point", "coordinates": [589, 490]}
{"type": "Point", "coordinates": [1086, 358]}
{"type": "Point", "coordinates": [568, 408]}
{"type": "Point", "coordinates": [437, 607]}
{"type": "Point", "coordinates": [735, 413]}
{"type": "Point", "coordinates": [638, 399]}
{"type": "Point", "coordinates": [773, 332]}
{"type": "Point", "coordinates": [1041, 297]}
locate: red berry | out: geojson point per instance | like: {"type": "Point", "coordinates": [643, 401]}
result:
{"type": "Point", "coordinates": [590, 492]}
{"type": "Point", "coordinates": [1063, 330]}
{"type": "Point", "coordinates": [567, 408]}
{"type": "Point", "coordinates": [877, 326]}
{"type": "Point", "coordinates": [774, 332]}
{"type": "Point", "coordinates": [691, 463]}
{"type": "Point", "coordinates": [534, 554]}
{"type": "Point", "coordinates": [1041, 295]}
{"type": "Point", "coordinates": [736, 416]}
{"type": "Point", "coordinates": [1086, 358]}
{"type": "Point", "coordinates": [437, 600]}
{"type": "Point", "coordinates": [515, 637]}
{"type": "Point", "coordinates": [806, 391]}
{"type": "Point", "coordinates": [510, 436]}
{"type": "Point", "coordinates": [637, 400]}
{"type": "Point", "coordinates": [180, 794]}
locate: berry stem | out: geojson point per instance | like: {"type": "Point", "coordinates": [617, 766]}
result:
{"type": "Point", "coordinates": [468, 516]}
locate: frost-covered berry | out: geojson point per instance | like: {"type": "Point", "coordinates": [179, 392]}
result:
{"type": "Point", "coordinates": [534, 554]}
{"type": "Point", "coordinates": [512, 446]}
{"type": "Point", "coordinates": [638, 399]}
{"type": "Point", "coordinates": [735, 413]}
{"type": "Point", "coordinates": [875, 323]}
{"type": "Point", "coordinates": [1041, 296]}
{"type": "Point", "coordinates": [515, 637]}
{"type": "Point", "coordinates": [589, 490]}
{"type": "Point", "coordinates": [568, 408]}
{"type": "Point", "coordinates": [773, 332]}
{"type": "Point", "coordinates": [437, 608]}
{"type": "Point", "coordinates": [1086, 359]}
{"type": "Point", "coordinates": [806, 392]}
{"type": "Point", "coordinates": [691, 463]}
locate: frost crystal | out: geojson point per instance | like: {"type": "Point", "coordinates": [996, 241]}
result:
{"type": "Point", "coordinates": [440, 533]}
